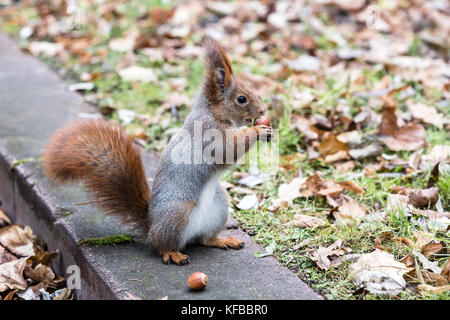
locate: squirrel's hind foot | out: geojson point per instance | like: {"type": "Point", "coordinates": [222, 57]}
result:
{"type": "Point", "coordinates": [175, 257]}
{"type": "Point", "coordinates": [224, 243]}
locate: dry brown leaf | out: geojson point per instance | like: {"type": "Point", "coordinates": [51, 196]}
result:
{"type": "Point", "coordinates": [319, 186]}
{"type": "Point", "coordinates": [409, 137]}
{"type": "Point", "coordinates": [323, 255]}
{"type": "Point", "coordinates": [17, 240]}
{"type": "Point", "coordinates": [379, 273]}
{"type": "Point", "coordinates": [11, 275]}
{"type": "Point", "coordinates": [5, 256]}
{"type": "Point", "coordinates": [332, 149]}
{"type": "Point", "coordinates": [303, 125]}
{"type": "Point", "coordinates": [40, 274]}
{"type": "Point", "coordinates": [403, 240]}
{"type": "Point", "coordinates": [431, 248]}
{"type": "Point", "coordinates": [305, 221]}
{"type": "Point", "coordinates": [378, 241]}
{"type": "Point", "coordinates": [446, 270]}
{"type": "Point", "coordinates": [288, 192]}
{"type": "Point", "coordinates": [397, 137]}
{"type": "Point", "coordinates": [419, 197]}
{"type": "Point", "coordinates": [426, 288]}
{"type": "Point", "coordinates": [347, 210]}
{"type": "Point", "coordinates": [422, 238]}
{"type": "Point", "coordinates": [350, 185]}
{"type": "Point", "coordinates": [4, 220]}
{"type": "Point", "coordinates": [426, 114]}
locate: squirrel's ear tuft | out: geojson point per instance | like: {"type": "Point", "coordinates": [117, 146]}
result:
{"type": "Point", "coordinates": [218, 66]}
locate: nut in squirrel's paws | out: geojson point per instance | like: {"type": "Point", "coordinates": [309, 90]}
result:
{"type": "Point", "coordinates": [264, 133]}
{"type": "Point", "coordinates": [175, 257]}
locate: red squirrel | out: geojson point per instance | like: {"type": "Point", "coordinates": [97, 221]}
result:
{"type": "Point", "coordinates": [186, 204]}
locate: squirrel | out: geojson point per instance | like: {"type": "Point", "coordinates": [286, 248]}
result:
{"type": "Point", "coordinates": [186, 203]}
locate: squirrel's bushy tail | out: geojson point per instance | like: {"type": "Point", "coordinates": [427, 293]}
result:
{"type": "Point", "coordinates": [106, 159]}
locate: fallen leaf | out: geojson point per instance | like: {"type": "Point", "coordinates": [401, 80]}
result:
{"type": "Point", "coordinates": [350, 185]}
{"type": "Point", "coordinates": [332, 149]}
{"type": "Point", "coordinates": [136, 73]}
{"type": "Point", "coordinates": [254, 180]}
{"type": "Point", "coordinates": [322, 255]}
{"type": "Point", "coordinates": [419, 198]}
{"type": "Point", "coordinates": [379, 273]}
{"type": "Point", "coordinates": [422, 238]}
{"type": "Point", "coordinates": [269, 250]}
{"type": "Point", "coordinates": [427, 264]}
{"type": "Point", "coordinates": [126, 116]}
{"type": "Point", "coordinates": [11, 275]}
{"type": "Point", "coordinates": [5, 256]}
{"type": "Point", "coordinates": [4, 220]}
{"type": "Point", "coordinates": [319, 186]}
{"type": "Point", "coordinates": [426, 114]}
{"type": "Point", "coordinates": [17, 240]}
{"type": "Point", "coordinates": [303, 125]}
{"type": "Point", "coordinates": [446, 270]}
{"type": "Point", "coordinates": [288, 192]}
{"type": "Point", "coordinates": [248, 202]}
{"type": "Point", "coordinates": [371, 150]}
{"type": "Point", "coordinates": [305, 221]}
{"type": "Point", "coordinates": [347, 210]}
{"type": "Point", "coordinates": [304, 63]}
{"type": "Point", "coordinates": [410, 137]}
{"type": "Point", "coordinates": [40, 273]}
{"type": "Point", "coordinates": [439, 153]}
{"type": "Point", "coordinates": [46, 48]}
{"type": "Point", "coordinates": [398, 204]}
{"type": "Point", "coordinates": [426, 288]}
{"type": "Point", "coordinates": [431, 248]}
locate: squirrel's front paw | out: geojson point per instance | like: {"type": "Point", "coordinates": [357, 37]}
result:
{"type": "Point", "coordinates": [264, 133]}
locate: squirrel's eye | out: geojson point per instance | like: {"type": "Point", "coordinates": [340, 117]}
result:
{"type": "Point", "coordinates": [241, 99]}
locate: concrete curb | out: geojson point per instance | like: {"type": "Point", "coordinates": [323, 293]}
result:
{"type": "Point", "coordinates": [34, 102]}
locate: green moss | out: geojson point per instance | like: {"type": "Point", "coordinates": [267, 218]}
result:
{"type": "Point", "coordinates": [17, 162]}
{"type": "Point", "coordinates": [107, 241]}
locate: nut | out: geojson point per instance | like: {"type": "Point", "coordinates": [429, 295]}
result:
{"type": "Point", "coordinates": [262, 121]}
{"type": "Point", "coordinates": [197, 281]}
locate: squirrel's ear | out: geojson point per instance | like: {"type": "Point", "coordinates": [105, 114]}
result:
{"type": "Point", "coordinates": [218, 66]}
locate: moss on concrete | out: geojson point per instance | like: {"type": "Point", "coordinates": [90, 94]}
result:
{"type": "Point", "coordinates": [107, 241]}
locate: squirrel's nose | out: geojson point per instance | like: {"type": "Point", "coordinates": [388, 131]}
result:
{"type": "Point", "coordinates": [261, 110]}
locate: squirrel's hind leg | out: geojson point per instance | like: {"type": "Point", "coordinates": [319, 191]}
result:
{"type": "Point", "coordinates": [174, 256]}
{"type": "Point", "coordinates": [224, 243]}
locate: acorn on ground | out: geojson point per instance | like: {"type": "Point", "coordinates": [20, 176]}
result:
{"type": "Point", "coordinates": [197, 281]}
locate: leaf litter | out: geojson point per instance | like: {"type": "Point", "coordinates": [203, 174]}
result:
{"type": "Point", "coordinates": [361, 102]}
{"type": "Point", "coordinates": [25, 267]}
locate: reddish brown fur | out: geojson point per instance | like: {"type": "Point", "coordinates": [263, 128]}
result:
{"type": "Point", "coordinates": [109, 163]}
{"type": "Point", "coordinates": [215, 58]}
{"type": "Point", "coordinates": [221, 89]}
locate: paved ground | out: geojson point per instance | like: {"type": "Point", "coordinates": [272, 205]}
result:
{"type": "Point", "coordinates": [34, 102]}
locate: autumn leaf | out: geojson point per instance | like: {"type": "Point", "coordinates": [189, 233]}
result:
{"type": "Point", "coordinates": [11, 275]}
{"type": "Point", "coordinates": [408, 137]}
{"type": "Point", "coordinates": [323, 256]}
{"type": "Point", "coordinates": [419, 198]}
{"type": "Point", "coordinates": [17, 240]}
{"type": "Point", "coordinates": [4, 220]}
{"type": "Point", "coordinates": [332, 149]}
{"type": "Point", "coordinates": [378, 272]}
{"type": "Point", "coordinates": [305, 221]}
{"type": "Point", "coordinates": [347, 210]}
